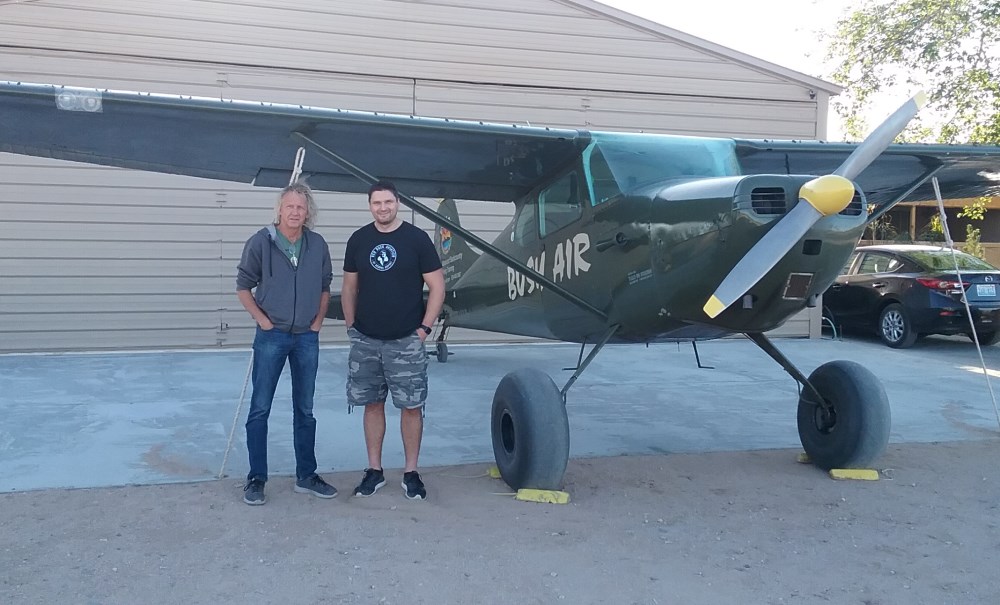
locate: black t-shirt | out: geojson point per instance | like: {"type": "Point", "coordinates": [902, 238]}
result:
{"type": "Point", "coordinates": [390, 268]}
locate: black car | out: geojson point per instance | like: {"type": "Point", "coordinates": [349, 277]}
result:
{"type": "Point", "coordinates": [906, 291]}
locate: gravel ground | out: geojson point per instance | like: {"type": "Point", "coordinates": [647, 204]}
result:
{"type": "Point", "coordinates": [712, 528]}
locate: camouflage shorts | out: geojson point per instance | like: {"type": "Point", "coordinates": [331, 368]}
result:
{"type": "Point", "coordinates": [376, 368]}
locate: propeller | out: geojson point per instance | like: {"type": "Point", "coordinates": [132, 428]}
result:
{"type": "Point", "coordinates": [823, 196]}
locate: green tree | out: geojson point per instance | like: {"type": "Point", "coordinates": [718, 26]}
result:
{"type": "Point", "coordinates": [933, 231]}
{"type": "Point", "coordinates": [946, 47]}
{"type": "Point", "coordinates": [882, 229]}
{"type": "Point", "coordinates": [975, 211]}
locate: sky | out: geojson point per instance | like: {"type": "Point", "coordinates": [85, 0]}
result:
{"type": "Point", "coordinates": [785, 32]}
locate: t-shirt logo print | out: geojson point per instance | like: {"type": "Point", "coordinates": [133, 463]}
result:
{"type": "Point", "coordinates": [383, 257]}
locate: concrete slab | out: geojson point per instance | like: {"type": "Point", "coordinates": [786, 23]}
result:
{"type": "Point", "coordinates": [89, 420]}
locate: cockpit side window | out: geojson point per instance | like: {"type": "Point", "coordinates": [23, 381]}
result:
{"type": "Point", "coordinates": [602, 180]}
{"type": "Point", "coordinates": [560, 203]}
{"type": "Point", "coordinates": [526, 227]}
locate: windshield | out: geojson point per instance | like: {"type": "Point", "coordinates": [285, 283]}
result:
{"type": "Point", "coordinates": [941, 260]}
{"type": "Point", "coordinates": [635, 159]}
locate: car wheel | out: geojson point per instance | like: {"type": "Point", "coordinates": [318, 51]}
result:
{"type": "Point", "coordinates": [894, 327]}
{"type": "Point", "coordinates": [987, 339]}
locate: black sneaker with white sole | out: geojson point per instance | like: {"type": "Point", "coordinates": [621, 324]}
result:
{"type": "Point", "coordinates": [373, 480]}
{"type": "Point", "coordinates": [253, 492]}
{"type": "Point", "coordinates": [413, 486]}
{"type": "Point", "coordinates": [315, 485]}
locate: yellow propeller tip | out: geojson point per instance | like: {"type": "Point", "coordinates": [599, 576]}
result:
{"type": "Point", "coordinates": [713, 307]}
{"type": "Point", "coordinates": [920, 99]}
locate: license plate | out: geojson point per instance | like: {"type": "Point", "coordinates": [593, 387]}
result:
{"type": "Point", "coordinates": [986, 290]}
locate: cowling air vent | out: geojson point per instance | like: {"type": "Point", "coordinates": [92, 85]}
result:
{"type": "Point", "coordinates": [856, 207]}
{"type": "Point", "coordinates": [768, 200]}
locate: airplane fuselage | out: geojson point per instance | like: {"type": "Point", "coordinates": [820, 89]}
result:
{"type": "Point", "coordinates": [649, 258]}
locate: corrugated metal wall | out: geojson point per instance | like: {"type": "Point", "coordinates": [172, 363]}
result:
{"type": "Point", "coordinates": [104, 258]}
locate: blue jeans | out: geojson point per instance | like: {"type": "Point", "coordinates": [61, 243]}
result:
{"type": "Point", "coordinates": [270, 350]}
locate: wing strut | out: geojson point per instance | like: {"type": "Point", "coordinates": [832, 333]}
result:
{"type": "Point", "coordinates": [444, 221]}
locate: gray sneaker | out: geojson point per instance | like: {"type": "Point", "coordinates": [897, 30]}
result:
{"type": "Point", "coordinates": [253, 492]}
{"type": "Point", "coordinates": [315, 485]}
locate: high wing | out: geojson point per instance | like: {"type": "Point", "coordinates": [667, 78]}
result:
{"type": "Point", "coordinates": [252, 142]}
{"type": "Point", "coordinates": [900, 172]}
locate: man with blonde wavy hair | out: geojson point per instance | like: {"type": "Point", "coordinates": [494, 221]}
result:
{"type": "Point", "coordinates": [287, 267]}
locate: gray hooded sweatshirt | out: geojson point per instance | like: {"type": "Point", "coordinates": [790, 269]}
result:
{"type": "Point", "coordinates": [289, 295]}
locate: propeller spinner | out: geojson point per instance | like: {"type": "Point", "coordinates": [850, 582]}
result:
{"type": "Point", "coordinates": [822, 196]}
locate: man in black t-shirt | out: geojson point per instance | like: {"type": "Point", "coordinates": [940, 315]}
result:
{"type": "Point", "coordinates": [386, 265]}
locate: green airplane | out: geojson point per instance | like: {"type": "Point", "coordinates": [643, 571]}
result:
{"type": "Point", "coordinates": [616, 237]}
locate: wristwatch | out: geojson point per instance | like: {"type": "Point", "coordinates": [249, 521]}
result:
{"type": "Point", "coordinates": [427, 330]}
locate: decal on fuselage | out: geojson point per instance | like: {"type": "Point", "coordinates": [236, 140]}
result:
{"type": "Point", "coordinates": [449, 265]}
{"type": "Point", "coordinates": [445, 240]}
{"type": "Point", "coordinates": [567, 263]}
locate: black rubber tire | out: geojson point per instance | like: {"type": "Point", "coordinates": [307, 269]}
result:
{"type": "Point", "coordinates": [857, 431]}
{"type": "Point", "coordinates": [987, 339]}
{"type": "Point", "coordinates": [442, 352]}
{"type": "Point", "coordinates": [530, 430]}
{"type": "Point", "coordinates": [895, 328]}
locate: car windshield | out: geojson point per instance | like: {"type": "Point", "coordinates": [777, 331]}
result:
{"type": "Point", "coordinates": [941, 260]}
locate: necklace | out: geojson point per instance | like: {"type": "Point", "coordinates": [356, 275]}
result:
{"type": "Point", "coordinates": [291, 249]}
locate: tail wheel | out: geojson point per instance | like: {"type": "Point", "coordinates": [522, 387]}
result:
{"type": "Point", "coordinates": [852, 429]}
{"type": "Point", "coordinates": [895, 328]}
{"type": "Point", "coordinates": [530, 430]}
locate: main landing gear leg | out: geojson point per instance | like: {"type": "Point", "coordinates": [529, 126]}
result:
{"type": "Point", "coordinates": [530, 427]}
{"type": "Point", "coordinates": [843, 413]}
{"type": "Point", "coordinates": [581, 366]}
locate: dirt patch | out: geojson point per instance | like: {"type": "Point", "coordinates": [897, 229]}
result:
{"type": "Point", "coordinates": [746, 527]}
